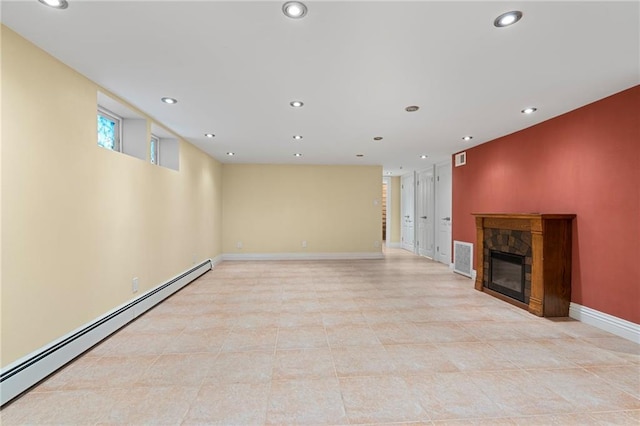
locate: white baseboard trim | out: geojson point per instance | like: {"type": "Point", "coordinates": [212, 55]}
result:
{"type": "Point", "coordinates": [606, 322]}
{"type": "Point", "coordinates": [473, 276]}
{"type": "Point", "coordinates": [394, 245]}
{"type": "Point", "coordinates": [22, 374]}
{"type": "Point", "coordinates": [217, 260]}
{"type": "Point", "coordinates": [303, 256]}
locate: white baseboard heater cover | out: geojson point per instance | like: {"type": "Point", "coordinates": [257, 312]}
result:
{"type": "Point", "coordinates": [463, 258]}
{"type": "Point", "coordinates": [21, 375]}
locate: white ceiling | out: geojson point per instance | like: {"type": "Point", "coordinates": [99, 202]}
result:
{"type": "Point", "coordinates": [235, 66]}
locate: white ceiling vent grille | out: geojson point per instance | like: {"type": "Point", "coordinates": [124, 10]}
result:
{"type": "Point", "coordinates": [463, 258]}
{"type": "Point", "coordinates": [461, 159]}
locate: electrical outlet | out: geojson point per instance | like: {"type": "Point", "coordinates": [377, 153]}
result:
{"type": "Point", "coordinates": [376, 243]}
{"type": "Point", "coordinates": [194, 258]}
{"type": "Point", "coordinates": [239, 244]}
{"type": "Point", "coordinates": [134, 285]}
{"type": "Point", "coordinates": [304, 244]}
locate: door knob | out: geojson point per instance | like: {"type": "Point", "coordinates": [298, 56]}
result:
{"type": "Point", "coordinates": [446, 218]}
{"type": "Point", "coordinates": [423, 217]}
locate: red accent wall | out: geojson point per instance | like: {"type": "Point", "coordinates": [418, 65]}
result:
{"type": "Point", "coordinates": [585, 162]}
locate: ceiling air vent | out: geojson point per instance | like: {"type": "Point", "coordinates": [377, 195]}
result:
{"type": "Point", "coordinates": [461, 159]}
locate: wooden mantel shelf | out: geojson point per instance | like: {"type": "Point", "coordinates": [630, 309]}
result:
{"type": "Point", "coordinates": [526, 215]}
{"type": "Point", "coordinates": [550, 236]}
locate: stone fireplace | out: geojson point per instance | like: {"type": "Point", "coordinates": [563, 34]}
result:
{"type": "Point", "coordinates": [504, 248]}
{"type": "Point", "coordinates": [526, 260]}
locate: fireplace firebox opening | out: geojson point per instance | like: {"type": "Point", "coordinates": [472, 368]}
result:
{"type": "Point", "coordinates": [507, 274]}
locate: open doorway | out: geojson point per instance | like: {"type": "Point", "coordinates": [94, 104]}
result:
{"type": "Point", "coordinates": [384, 212]}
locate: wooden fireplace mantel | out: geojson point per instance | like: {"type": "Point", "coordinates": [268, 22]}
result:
{"type": "Point", "coordinates": [551, 258]}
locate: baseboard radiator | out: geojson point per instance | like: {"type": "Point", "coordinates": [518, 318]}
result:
{"type": "Point", "coordinates": [28, 371]}
{"type": "Point", "coordinates": [463, 258]}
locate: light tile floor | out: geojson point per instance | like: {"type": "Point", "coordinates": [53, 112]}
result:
{"type": "Point", "coordinates": [400, 340]}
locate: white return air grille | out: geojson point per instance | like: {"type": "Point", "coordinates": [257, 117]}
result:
{"type": "Point", "coordinates": [460, 159]}
{"type": "Point", "coordinates": [463, 258]}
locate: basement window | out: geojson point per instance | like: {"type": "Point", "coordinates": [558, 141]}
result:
{"type": "Point", "coordinates": [166, 146]}
{"type": "Point", "coordinates": [109, 130]}
{"type": "Point", "coordinates": [154, 153]}
{"type": "Point", "coordinates": [122, 129]}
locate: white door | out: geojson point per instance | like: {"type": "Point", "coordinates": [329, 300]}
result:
{"type": "Point", "coordinates": [443, 213]}
{"type": "Point", "coordinates": [407, 212]}
{"type": "Point", "coordinates": [425, 215]}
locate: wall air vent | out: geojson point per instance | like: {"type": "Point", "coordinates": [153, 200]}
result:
{"type": "Point", "coordinates": [463, 258]}
{"type": "Point", "coordinates": [461, 159]}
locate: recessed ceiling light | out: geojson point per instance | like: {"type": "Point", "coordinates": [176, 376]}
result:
{"type": "Point", "coordinates": [169, 100]}
{"type": "Point", "coordinates": [231, 154]}
{"type": "Point", "coordinates": [507, 19]}
{"type": "Point", "coordinates": [294, 9]}
{"type": "Point", "coordinates": [296, 104]}
{"type": "Point", "coordinates": [412, 108]}
{"type": "Point", "coordinates": [359, 155]}
{"type": "Point", "coordinates": [529, 110]}
{"type": "Point", "coordinates": [58, 4]}
{"type": "Point", "coordinates": [209, 135]}
{"type": "Point", "coordinates": [297, 154]}
{"type": "Point", "coordinates": [467, 138]}
{"type": "Point", "coordinates": [377, 138]}
{"type": "Point", "coordinates": [297, 137]}
{"type": "Point", "coordinates": [423, 156]}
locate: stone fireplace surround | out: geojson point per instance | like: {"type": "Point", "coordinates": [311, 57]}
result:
{"type": "Point", "coordinates": [545, 241]}
{"type": "Point", "coordinates": [508, 241]}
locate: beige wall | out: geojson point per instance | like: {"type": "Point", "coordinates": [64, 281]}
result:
{"type": "Point", "coordinates": [79, 221]}
{"type": "Point", "coordinates": [273, 208]}
{"type": "Point", "coordinates": [395, 210]}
